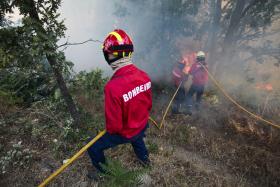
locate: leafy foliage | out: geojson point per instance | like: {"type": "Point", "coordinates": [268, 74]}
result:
{"type": "Point", "coordinates": [24, 43]}
{"type": "Point", "coordinates": [90, 84]}
{"type": "Point", "coordinates": [17, 156]}
{"type": "Point", "coordinates": [119, 176]}
{"type": "Point", "coordinates": [27, 85]}
{"type": "Point", "coordinates": [24, 68]}
{"type": "Point", "coordinates": [52, 112]}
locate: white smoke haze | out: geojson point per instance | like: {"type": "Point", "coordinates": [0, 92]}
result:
{"type": "Point", "coordinates": [84, 20]}
{"type": "Point", "coordinates": [95, 19]}
{"type": "Point", "coordinates": [144, 22]}
{"type": "Point", "coordinates": [255, 80]}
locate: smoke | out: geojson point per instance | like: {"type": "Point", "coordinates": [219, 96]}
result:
{"type": "Point", "coordinates": [252, 82]}
{"type": "Point", "coordinates": [84, 20]}
{"type": "Point", "coordinates": [251, 72]}
{"type": "Point", "coordinates": [154, 32]}
{"type": "Point", "coordinates": [163, 32]}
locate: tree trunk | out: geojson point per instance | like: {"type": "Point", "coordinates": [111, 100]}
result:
{"type": "Point", "coordinates": [216, 13]}
{"type": "Point", "coordinates": [57, 71]}
{"type": "Point", "coordinates": [64, 91]}
{"type": "Point", "coordinates": [230, 38]}
{"type": "Point", "coordinates": [213, 35]}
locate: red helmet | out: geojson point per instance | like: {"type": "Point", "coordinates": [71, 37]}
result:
{"type": "Point", "coordinates": [117, 43]}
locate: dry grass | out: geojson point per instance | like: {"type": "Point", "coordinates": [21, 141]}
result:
{"type": "Point", "coordinates": [208, 149]}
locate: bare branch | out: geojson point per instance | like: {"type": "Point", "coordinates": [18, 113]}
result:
{"type": "Point", "coordinates": [226, 6]}
{"type": "Point", "coordinates": [257, 34]}
{"type": "Point", "coordinates": [252, 3]}
{"type": "Point", "coordinates": [79, 43]}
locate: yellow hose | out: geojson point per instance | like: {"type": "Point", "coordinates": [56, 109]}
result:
{"type": "Point", "coordinates": [169, 104]}
{"type": "Point", "coordinates": [235, 102]}
{"type": "Point", "coordinates": [166, 110]}
{"type": "Point", "coordinates": [154, 122]}
{"type": "Point", "coordinates": [76, 156]}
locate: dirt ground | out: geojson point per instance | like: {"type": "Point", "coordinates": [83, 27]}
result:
{"type": "Point", "coordinates": [213, 147]}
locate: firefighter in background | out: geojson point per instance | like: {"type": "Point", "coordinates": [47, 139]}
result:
{"type": "Point", "coordinates": [128, 101]}
{"type": "Point", "coordinates": [199, 80]}
{"type": "Point", "coordinates": [179, 74]}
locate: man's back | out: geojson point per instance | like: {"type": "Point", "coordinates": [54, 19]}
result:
{"type": "Point", "coordinates": [128, 100]}
{"type": "Point", "coordinates": [200, 76]}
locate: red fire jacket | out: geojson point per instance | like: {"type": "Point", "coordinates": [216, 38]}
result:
{"type": "Point", "coordinates": [128, 101]}
{"type": "Point", "coordinates": [200, 76]}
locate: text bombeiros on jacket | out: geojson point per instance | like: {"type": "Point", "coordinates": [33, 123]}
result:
{"type": "Point", "coordinates": [135, 91]}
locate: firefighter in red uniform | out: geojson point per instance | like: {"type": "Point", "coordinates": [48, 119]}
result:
{"type": "Point", "coordinates": [128, 101]}
{"type": "Point", "coordinates": [199, 80]}
{"type": "Point", "coordinates": [179, 74]}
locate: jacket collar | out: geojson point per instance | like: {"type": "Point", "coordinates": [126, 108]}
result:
{"type": "Point", "coordinates": [124, 70]}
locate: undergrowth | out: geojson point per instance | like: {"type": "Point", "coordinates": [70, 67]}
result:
{"type": "Point", "coordinates": [119, 176]}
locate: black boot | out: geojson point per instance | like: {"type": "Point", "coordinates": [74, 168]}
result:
{"type": "Point", "coordinates": [189, 110]}
{"type": "Point", "coordinates": [175, 109]}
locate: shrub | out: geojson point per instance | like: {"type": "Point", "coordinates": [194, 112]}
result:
{"type": "Point", "coordinates": [89, 84]}
{"type": "Point", "coordinates": [119, 176]}
{"type": "Point", "coordinates": [16, 157]}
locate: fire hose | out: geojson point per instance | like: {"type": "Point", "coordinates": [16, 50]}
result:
{"type": "Point", "coordinates": [218, 85]}
{"type": "Point", "coordinates": [71, 160]}
{"type": "Point", "coordinates": [79, 153]}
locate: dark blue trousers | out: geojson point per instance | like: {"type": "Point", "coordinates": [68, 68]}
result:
{"type": "Point", "coordinates": [96, 151]}
{"type": "Point", "coordinates": [194, 89]}
{"type": "Point", "coordinates": [179, 99]}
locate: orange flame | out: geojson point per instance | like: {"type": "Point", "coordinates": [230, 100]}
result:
{"type": "Point", "coordinates": [188, 60]}
{"type": "Point", "coordinates": [263, 86]}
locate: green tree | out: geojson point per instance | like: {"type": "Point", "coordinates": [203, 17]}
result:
{"type": "Point", "coordinates": [248, 20]}
{"type": "Point", "coordinates": [234, 24]}
{"type": "Point", "coordinates": [35, 40]}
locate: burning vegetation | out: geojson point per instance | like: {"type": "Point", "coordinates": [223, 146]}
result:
{"type": "Point", "coordinates": [48, 111]}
